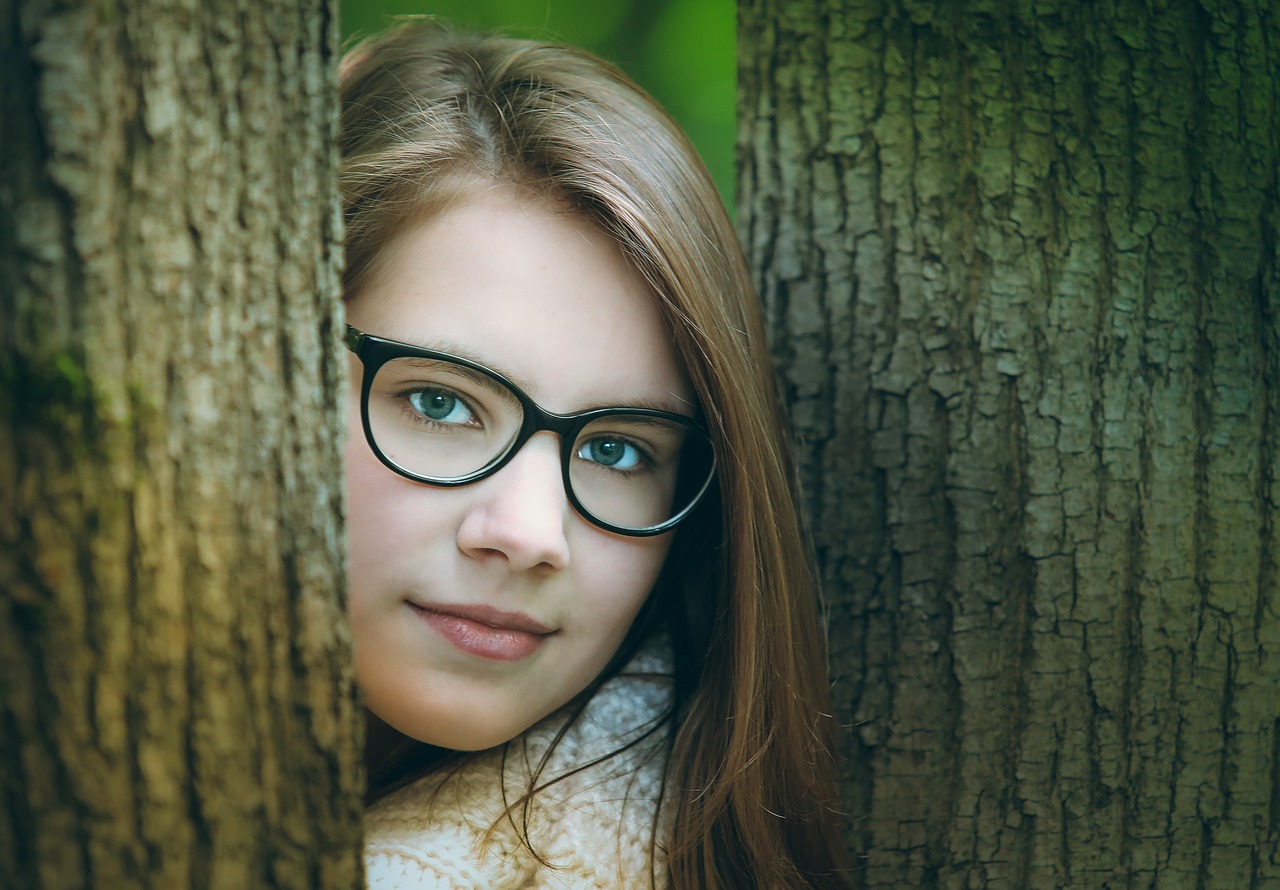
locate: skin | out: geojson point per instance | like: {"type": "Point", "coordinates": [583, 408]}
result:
{"type": "Point", "coordinates": [544, 298]}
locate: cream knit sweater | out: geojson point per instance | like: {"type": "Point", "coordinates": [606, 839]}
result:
{"type": "Point", "coordinates": [594, 828]}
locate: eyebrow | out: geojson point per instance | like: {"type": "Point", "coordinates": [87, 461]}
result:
{"type": "Point", "coordinates": [674, 405]}
{"type": "Point", "coordinates": [479, 378]}
{"type": "Point", "coordinates": [671, 403]}
{"type": "Point", "coordinates": [460, 351]}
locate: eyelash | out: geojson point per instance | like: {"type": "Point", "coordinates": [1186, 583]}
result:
{"type": "Point", "coordinates": [402, 396]}
{"type": "Point", "coordinates": [647, 462]}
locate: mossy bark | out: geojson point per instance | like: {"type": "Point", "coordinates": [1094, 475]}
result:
{"type": "Point", "coordinates": [176, 696]}
{"type": "Point", "coordinates": [1021, 265]}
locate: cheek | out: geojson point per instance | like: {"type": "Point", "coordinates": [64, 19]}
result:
{"type": "Point", "coordinates": [381, 512]}
{"type": "Point", "coordinates": [362, 471]}
{"type": "Point", "coordinates": [651, 562]}
{"type": "Point", "coordinates": [624, 578]}
{"type": "Point", "coordinates": [393, 525]}
{"type": "Point", "coordinates": [366, 551]}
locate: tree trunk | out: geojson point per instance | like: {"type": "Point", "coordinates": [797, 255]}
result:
{"type": "Point", "coordinates": [1021, 265]}
{"type": "Point", "coordinates": [176, 695]}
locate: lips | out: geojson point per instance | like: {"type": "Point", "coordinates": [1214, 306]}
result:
{"type": "Point", "coordinates": [485, 632]}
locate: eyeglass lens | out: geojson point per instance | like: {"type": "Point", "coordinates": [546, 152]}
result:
{"type": "Point", "coordinates": [444, 421]}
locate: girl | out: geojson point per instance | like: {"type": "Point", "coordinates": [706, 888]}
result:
{"type": "Point", "coordinates": [584, 616]}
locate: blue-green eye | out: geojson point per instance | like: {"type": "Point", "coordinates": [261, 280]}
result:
{"type": "Point", "coordinates": [441, 406]}
{"type": "Point", "coordinates": [616, 454]}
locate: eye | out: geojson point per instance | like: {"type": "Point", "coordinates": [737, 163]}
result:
{"type": "Point", "coordinates": [614, 453]}
{"type": "Point", "coordinates": [441, 406]}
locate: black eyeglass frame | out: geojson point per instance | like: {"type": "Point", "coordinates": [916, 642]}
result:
{"type": "Point", "coordinates": [374, 352]}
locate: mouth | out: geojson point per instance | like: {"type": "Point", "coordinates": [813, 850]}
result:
{"type": "Point", "coordinates": [485, 632]}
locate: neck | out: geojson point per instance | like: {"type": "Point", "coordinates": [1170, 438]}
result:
{"type": "Point", "coordinates": [380, 740]}
{"type": "Point", "coordinates": [393, 759]}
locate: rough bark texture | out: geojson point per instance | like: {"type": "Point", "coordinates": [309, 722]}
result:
{"type": "Point", "coordinates": [176, 704]}
{"type": "Point", "coordinates": [1020, 260]}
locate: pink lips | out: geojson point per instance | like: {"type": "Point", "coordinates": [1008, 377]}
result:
{"type": "Point", "coordinates": [486, 632]}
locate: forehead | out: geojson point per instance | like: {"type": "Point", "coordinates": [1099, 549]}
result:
{"type": "Point", "coordinates": [543, 297]}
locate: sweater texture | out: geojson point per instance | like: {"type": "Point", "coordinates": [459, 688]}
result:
{"type": "Point", "coordinates": [594, 828]}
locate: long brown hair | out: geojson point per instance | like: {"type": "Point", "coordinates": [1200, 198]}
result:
{"type": "Point", "coordinates": [428, 116]}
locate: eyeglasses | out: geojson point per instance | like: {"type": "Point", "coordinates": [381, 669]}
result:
{"type": "Point", "coordinates": [443, 420]}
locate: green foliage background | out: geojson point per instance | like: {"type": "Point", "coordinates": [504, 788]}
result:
{"type": "Point", "coordinates": [681, 51]}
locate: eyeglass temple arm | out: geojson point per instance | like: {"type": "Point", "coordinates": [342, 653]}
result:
{"type": "Point", "coordinates": [354, 339]}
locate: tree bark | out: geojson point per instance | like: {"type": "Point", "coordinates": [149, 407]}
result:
{"type": "Point", "coordinates": [1020, 261]}
{"type": "Point", "coordinates": [176, 694]}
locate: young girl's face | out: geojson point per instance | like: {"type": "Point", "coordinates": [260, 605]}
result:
{"type": "Point", "coordinates": [479, 610]}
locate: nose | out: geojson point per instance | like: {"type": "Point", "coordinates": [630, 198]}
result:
{"type": "Point", "coordinates": [521, 512]}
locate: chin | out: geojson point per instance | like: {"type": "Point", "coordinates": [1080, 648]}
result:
{"type": "Point", "coordinates": [471, 736]}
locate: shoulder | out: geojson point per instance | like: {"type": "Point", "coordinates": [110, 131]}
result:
{"type": "Point", "coordinates": [594, 820]}
{"type": "Point", "coordinates": [435, 833]}
{"type": "Point", "coordinates": [604, 812]}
